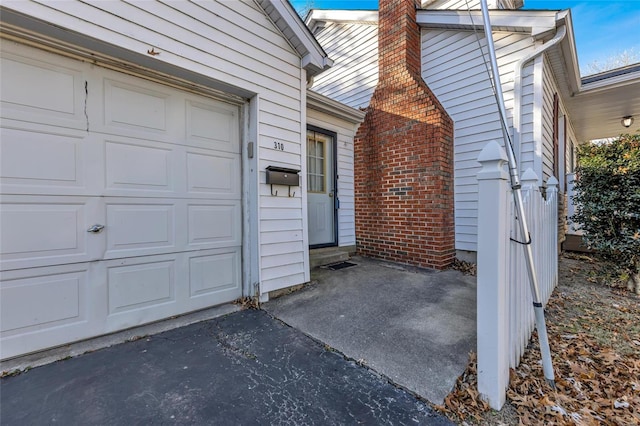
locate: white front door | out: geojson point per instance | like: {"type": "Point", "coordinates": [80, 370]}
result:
{"type": "Point", "coordinates": [321, 194]}
{"type": "Point", "coordinates": [156, 168]}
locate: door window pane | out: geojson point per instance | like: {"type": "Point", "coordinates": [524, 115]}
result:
{"type": "Point", "coordinates": [317, 161]}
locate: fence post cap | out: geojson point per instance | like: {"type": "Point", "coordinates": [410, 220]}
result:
{"type": "Point", "coordinates": [492, 158]}
{"type": "Point", "coordinates": [552, 181]}
{"type": "Point", "coordinates": [529, 177]}
{"type": "Point", "coordinates": [492, 152]}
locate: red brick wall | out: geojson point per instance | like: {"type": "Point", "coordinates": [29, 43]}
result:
{"type": "Point", "coordinates": [404, 155]}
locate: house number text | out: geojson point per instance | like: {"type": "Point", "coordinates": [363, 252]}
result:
{"type": "Point", "coordinates": [278, 145]}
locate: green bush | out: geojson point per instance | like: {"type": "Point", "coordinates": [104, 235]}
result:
{"type": "Point", "coordinates": [608, 200]}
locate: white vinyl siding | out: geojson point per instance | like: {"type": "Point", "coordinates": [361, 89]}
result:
{"type": "Point", "coordinates": [232, 42]}
{"type": "Point", "coordinates": [345, 133]}
{"type": "Point", "coordinates": [551, 87]}
{"type": "Point", "coordinates": [453, 67]}
{"type": "Point", "coordinates": [354, 49]}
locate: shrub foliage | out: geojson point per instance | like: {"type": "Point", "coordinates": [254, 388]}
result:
{"type": "Point", "coordinates": [608, 199]}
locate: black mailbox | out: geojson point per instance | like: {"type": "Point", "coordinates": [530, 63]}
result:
{"type": "Point", "coordinates": [282, 176]}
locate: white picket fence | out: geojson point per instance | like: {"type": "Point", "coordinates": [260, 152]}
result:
{"type": "Point", "coordinates": [541, 213]}
{"type": "Point", "coordinates": [505, 304]}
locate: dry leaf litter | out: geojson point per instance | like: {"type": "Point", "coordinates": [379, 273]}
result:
{"type": "Point", "coordinates": [594, 333]}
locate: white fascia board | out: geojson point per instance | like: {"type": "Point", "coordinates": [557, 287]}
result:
{"type": "Point", "coordinates": [282, 14]}
{"type": "Point", "coordinates": [332, 107]}
{"type": "Point", "coordinates": [315, 64]}
{"type": "Point", "coordinates": [317, 15]}
{"type": "Point", "coordinates": [569, 51]}
{"type": "Point", "coordinates": [526, 20]}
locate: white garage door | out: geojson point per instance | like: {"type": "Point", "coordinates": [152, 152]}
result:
{"type": "Point", "coordinates": [158, 167]}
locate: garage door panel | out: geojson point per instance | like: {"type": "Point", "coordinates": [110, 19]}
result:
{"type": "Point", "coordinates": [214, 125]}
{"type": "Point", "coordinates": [135, 107]}
{"type": "Point", "coordinates": [214, 273]}
{"type": "Point", "coordinates": [41, 91]}
{"type": "Point", "coordinates": [144, 289]}
{"type": "Point", "coordinates": [40, 231]}
{"type": "Point", "coordinates": [139, 286]}
{"type": "Point", "coordinates": [214, 225]}
{"type": "Point", "coordinates": [213, 173]}
{"type": "Point", "coordinates": [138, 166]}
{"type": "Point", "coordinates": [39, 160]}
{"type": "Point", "coordinates": [40, 307]}
{"type": "Point", "coordinates": [142, 227]}
{"type": "Point", "coordinates": [35, 302]}
{"type": "Point", "coordinates": [136, 228]}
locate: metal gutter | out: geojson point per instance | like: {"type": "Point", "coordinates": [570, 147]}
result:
{"type": "Point", "coordinates": [517, 83]}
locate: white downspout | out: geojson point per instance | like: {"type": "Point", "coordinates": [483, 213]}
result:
{"type": "Point", "coordinates": [517, 85]}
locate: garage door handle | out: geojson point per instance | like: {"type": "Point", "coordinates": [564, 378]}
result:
{"type": "Point", "coordinates": [96, 228]}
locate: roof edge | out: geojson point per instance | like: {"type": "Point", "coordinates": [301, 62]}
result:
{"type": "Point", "coordinates": [622, 73]}
{"type": "Point", "coordinates": [313, 58]}
{"type": "Point", "coordinates": [335, 108]}
{"type": "Point", "coordinates": [536, 22]}
{"type": "Point", "coordinates": [337, 15]}
{"type": "Point", "coordinates": [610, 79]}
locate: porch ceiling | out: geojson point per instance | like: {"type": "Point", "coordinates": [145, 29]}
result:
{"type": "Point", "coordinates": [597, 113]}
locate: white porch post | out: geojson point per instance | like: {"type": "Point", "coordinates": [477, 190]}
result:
{"type": "Point", "coordinates": [493, 252]}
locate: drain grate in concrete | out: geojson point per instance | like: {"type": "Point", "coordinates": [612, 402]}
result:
{"type": "Point", "coordinates": [341, 265]}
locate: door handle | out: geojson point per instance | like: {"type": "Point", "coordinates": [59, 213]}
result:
{"type": "Point", "coordinates": [331, 194]}
{"type": "Point", "coordinates": [96, 229]}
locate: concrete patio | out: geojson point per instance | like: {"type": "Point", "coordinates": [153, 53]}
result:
{"type": "Point", "coordinates": [412, 325]}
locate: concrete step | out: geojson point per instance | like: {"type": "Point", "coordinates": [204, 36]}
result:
{"type": "Point", "coordinates": [324, 256]}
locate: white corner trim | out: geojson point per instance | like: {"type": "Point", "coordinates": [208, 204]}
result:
{"type": "Point", "coordinates": [538, 95]}
{"type": "Point", "coordinates": [303, 172]}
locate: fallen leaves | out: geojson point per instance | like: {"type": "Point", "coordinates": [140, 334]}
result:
{"type": "Point", "coordinates": [467, 268]}
{"type": "Point", "coordinates": [464, 401]}
{"type": "Point", "coordinates": [594, 332]}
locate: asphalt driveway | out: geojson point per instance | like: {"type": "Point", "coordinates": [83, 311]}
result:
{"type": "Point", "coordinates": [242, 368]}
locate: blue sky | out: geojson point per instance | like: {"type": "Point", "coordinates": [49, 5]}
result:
{"type": "Point", "coordinates": [603, 28]}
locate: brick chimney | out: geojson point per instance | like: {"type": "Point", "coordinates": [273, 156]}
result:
{"type": "Point", "coordinates": [404, 154]}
